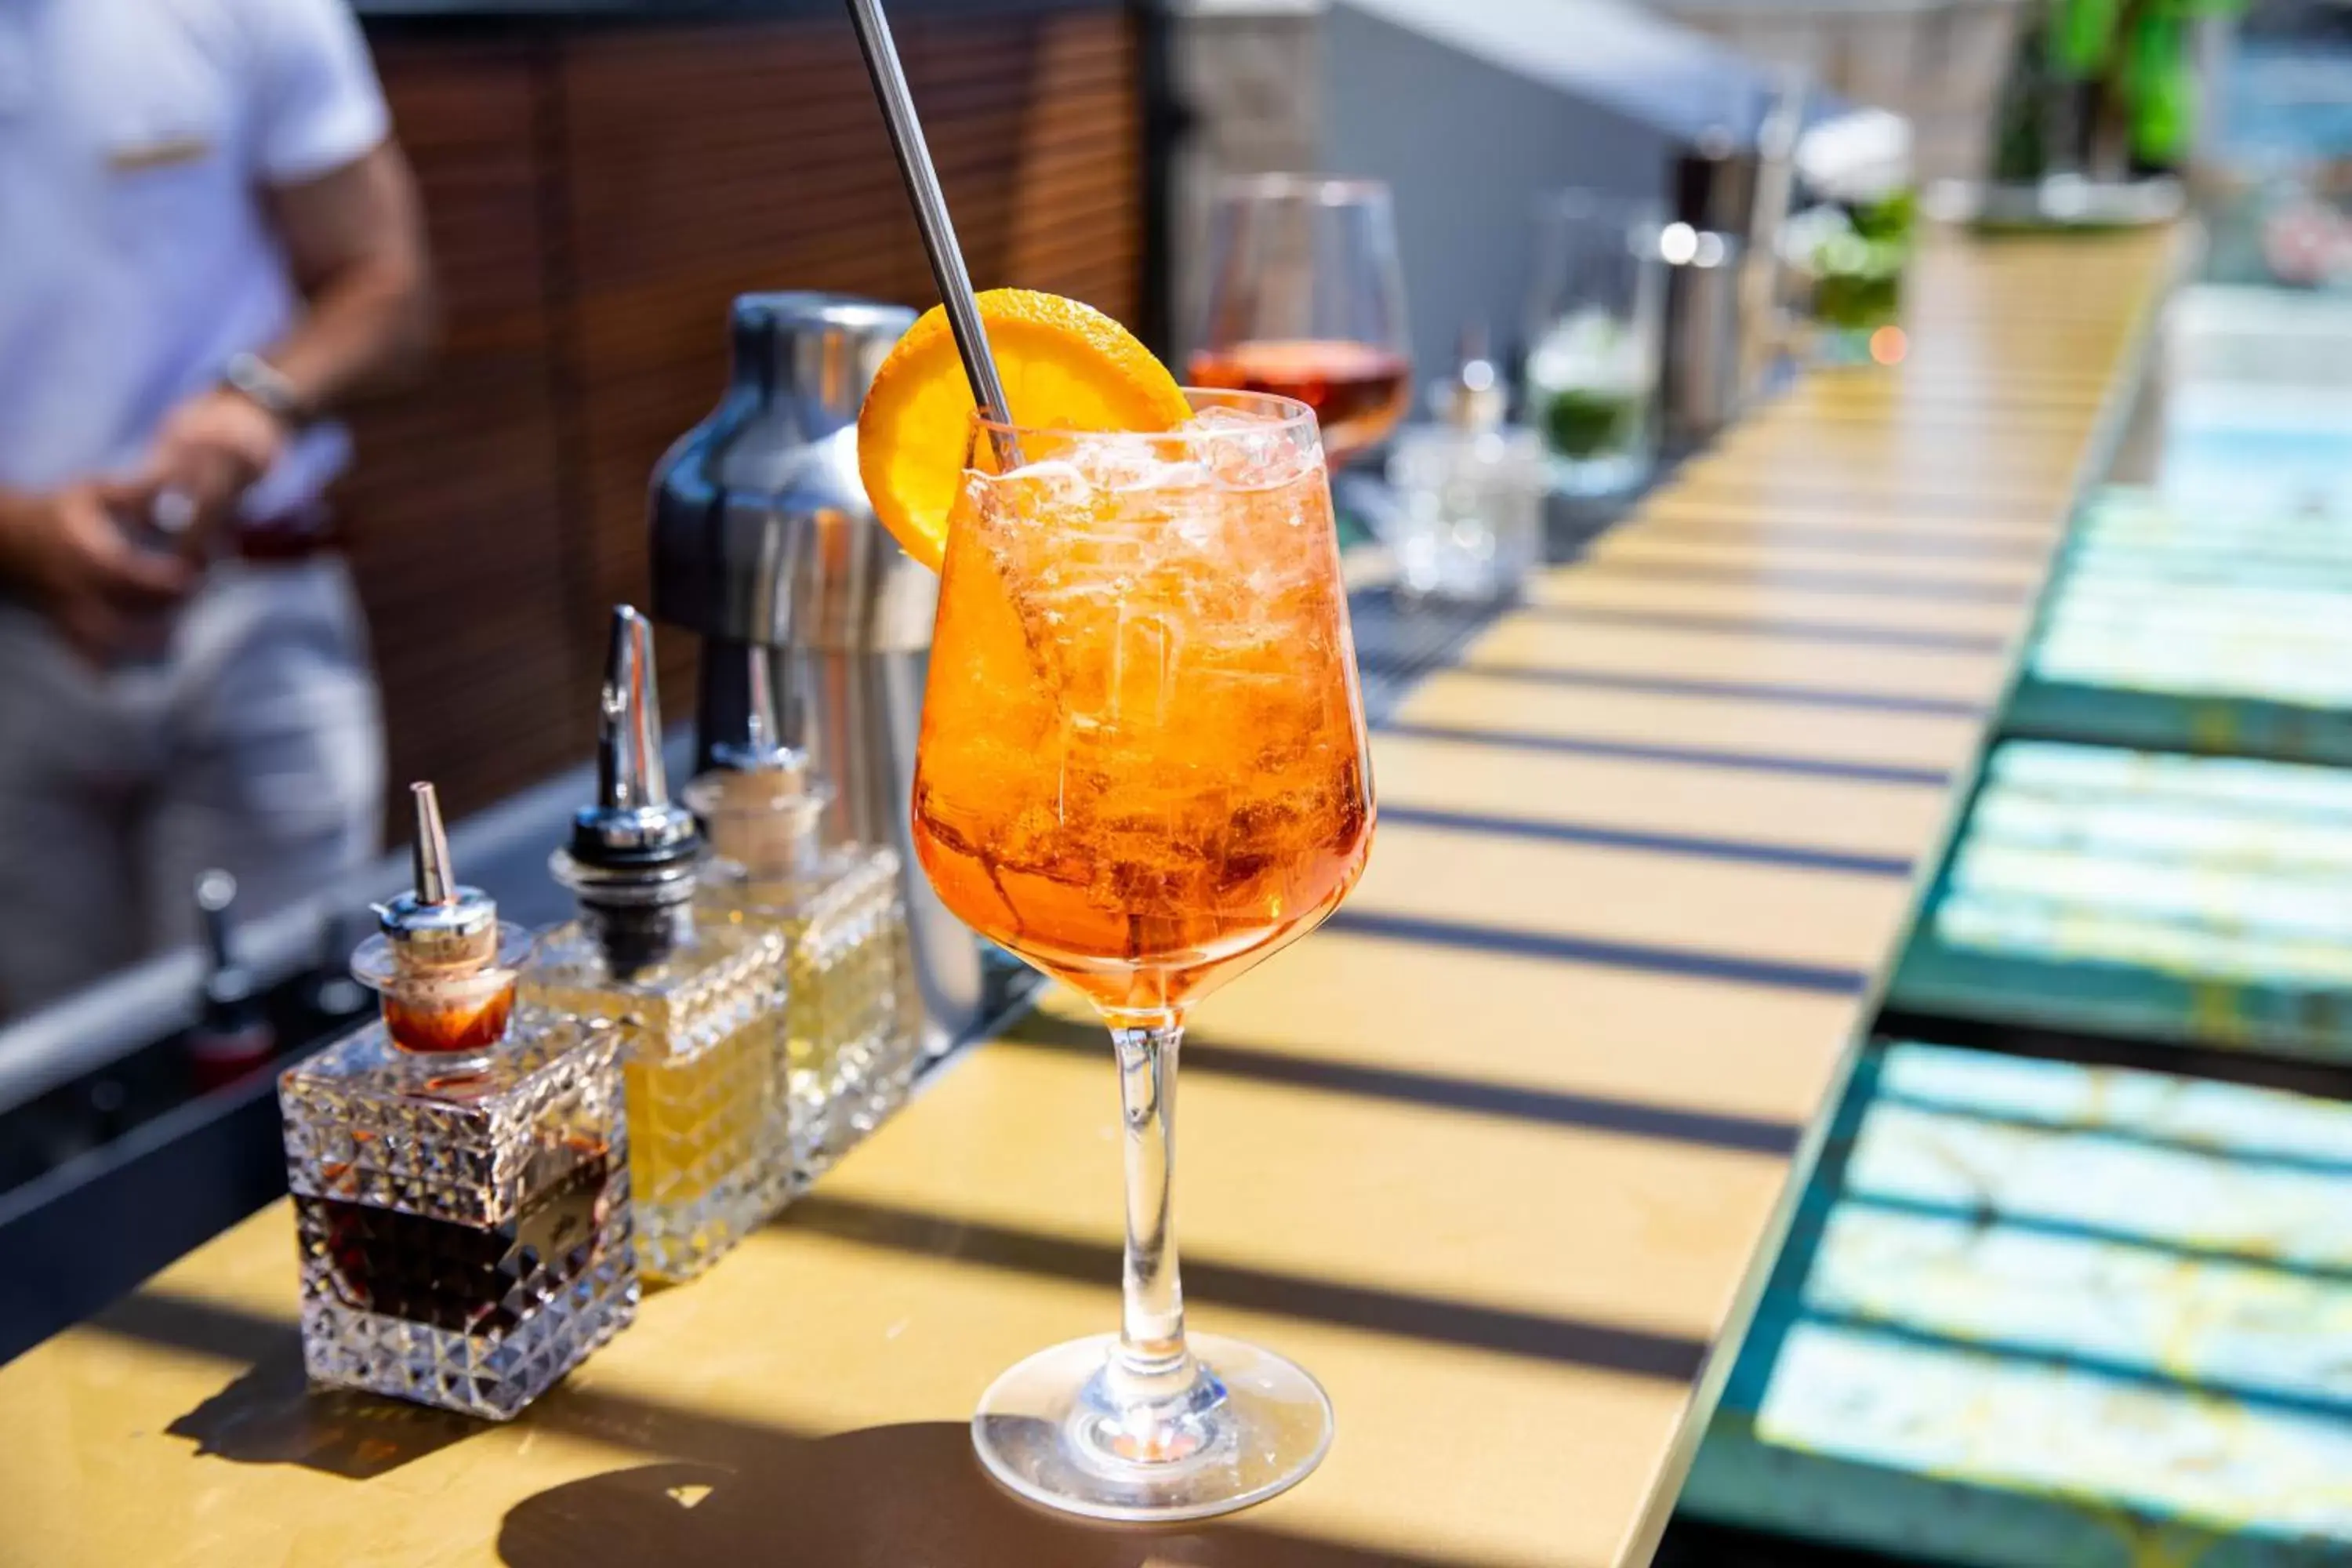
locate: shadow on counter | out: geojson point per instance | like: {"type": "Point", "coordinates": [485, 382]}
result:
{"type": "Point", "coordinates": [887, 1494]}
{"type": "Point", "coordinates": [735, 1491]}
{"type": "Point", "coordinates": [741, 1492]}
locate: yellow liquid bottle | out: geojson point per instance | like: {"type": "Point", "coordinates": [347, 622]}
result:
{"type": "Point", "coordinates": [698, 1032]}
{"type": "Point", "coordinates": [853, 1024]}
{"type": "Point", "coordinates": [696, 1002]}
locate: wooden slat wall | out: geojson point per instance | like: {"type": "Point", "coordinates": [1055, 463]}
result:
{"type": "Point", "coordinates": [456, 500]}
{"type": "Point", "coordinates": [596, 200]}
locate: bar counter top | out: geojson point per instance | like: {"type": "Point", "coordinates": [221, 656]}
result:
{"type": "Point", "coordinates": [1497, 1155]}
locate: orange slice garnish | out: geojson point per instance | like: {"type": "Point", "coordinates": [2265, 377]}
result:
{"type": "Point", "coordinates": [1065, 367]}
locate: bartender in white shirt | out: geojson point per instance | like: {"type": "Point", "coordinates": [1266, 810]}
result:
{"type": "Point", "coordinates": [208, 240]}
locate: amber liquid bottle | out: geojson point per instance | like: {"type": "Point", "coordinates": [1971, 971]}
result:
{"type": "Point", "coordinates": [460, 1169]}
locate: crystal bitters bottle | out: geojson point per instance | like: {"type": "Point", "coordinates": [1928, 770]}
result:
{"type": "Point", "coordinates": [460, 1169]}
{"type": "Point", "coordinates": [852, 1025]}
{"type": "Point", "coordinates": [695, 1002]}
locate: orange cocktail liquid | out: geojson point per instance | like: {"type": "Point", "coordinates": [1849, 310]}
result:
{"type": "Point", "coordinates": [1142, 765]}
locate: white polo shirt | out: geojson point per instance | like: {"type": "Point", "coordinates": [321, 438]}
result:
{"type": "Point", "coordinates": [136, 139]}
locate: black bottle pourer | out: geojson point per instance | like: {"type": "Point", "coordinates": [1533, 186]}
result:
{"type": "Point", "coordinates": [329, 992]}
{"type": "Point", "coordinates": [633, 854]}
{"type": "Point", "coordinates": [233, 1034]}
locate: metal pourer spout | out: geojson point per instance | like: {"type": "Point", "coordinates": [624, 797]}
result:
{"type": "Point", "coordinates": [443, 961]}
{"type": "Point", "coordinates": [433, 881]}
{"type": "Point", "coordinates": [629, 775]}
{"type": "Point", "coordinates": [758, 801]}
{"type": "Point", "coordinates": [634, 853]}
{"type": "Point", "coordinates": [439, 924]}
{"type": "Point", "coordinates": [761, 748]}
{"type": "Point", "coordinates": [633, 845]}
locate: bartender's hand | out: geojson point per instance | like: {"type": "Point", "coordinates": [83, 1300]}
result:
{"type": "Point", "coordinates": [67, 552]}
{"type": "Point", "coordinates": [209, 450]}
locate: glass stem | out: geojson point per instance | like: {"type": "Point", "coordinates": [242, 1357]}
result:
{"type": "Point", "coordinates": [1150, 1359]}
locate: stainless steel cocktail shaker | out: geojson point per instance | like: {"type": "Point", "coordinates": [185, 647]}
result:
{"type": "Point", "coordinates": [763, 537]}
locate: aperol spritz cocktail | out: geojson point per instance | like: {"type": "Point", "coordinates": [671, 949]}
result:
{"type": "Point", "coordinates": [1143, 769]}
{"type": "Point", "coordinates": [1142, 764]}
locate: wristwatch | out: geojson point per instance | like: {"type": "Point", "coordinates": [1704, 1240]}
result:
{"type": "Point", "coordinates": [256, 379]}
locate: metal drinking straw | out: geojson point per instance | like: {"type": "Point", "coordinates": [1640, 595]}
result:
{"type": "Point", "coordinates": [931, 210]}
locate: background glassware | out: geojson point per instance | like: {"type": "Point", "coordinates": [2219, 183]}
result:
{"type": "Point", "coordinates": [1594, 340]}
{"type": "Point", "coordinates": [1143, 768]}
{"type": "Point", "coordinates": [1851, 259]}
{"type": "Point", "coordinates": [1466, 519]}
{"type": "Point", "coordinates": [1850, 250]}
{"type": "Point", "coordinates": [1307, 301]}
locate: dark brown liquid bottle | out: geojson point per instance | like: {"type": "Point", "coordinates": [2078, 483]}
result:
{"type": "Point", "coordinates": [461, 1172]}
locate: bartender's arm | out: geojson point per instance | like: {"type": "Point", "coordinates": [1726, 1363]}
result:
{"type": "Point", "coordinates": [355, 240]}
{"type": "Point", "coordinates": [340, 198]}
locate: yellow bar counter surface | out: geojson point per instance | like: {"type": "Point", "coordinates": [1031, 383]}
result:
{"type": "Point", "coordinates": [1497, 1156]}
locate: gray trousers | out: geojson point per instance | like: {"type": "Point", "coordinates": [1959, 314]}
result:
{"type": "Point", "coordinates": [256, 744]}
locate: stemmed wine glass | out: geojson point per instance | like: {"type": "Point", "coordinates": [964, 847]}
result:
{"type": "Point", "coordinates": [1143, 769]}
{"type": "Point", "coordinates": [1306, 299]}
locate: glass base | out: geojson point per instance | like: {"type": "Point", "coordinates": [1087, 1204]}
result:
{"type": "Point", "coordinates": [1432, 566]}
{"type": "Point", "coordinates": [1841, 347]}
{"type": "Point", "coordinates": [1600, 475]}
{"type": "Point", "coordinates": [1251, 1425]}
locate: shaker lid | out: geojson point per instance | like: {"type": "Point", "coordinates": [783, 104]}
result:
{"type": "Point", "coordinates": [761, 529]}
{"type": "Point", "coordinates": [822, 348]}
{"type": "Point", "coordinates": [633, 825]}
